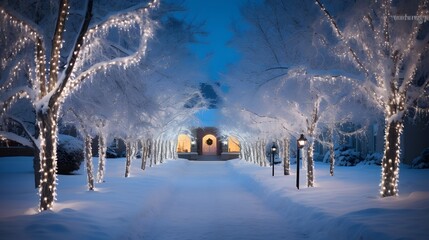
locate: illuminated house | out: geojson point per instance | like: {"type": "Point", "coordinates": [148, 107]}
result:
{"type": "Point", "coordinates": [207, 142]}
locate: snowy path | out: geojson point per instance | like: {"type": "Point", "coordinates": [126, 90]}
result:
{"type": "Point", "coordinates": [182, 199]}
{"type": "Point", "coordinates": [208, 200]}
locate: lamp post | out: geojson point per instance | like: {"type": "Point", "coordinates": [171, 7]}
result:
{"type": "Point", "coordinates": [300, 142]}
{"type": "Point", "coordinates": [273, 152]}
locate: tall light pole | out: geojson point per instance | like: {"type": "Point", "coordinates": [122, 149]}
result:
{"type": "Point", "coordinates": [300, 142]}
{"type": "Point", "coordinates": [273, 152]}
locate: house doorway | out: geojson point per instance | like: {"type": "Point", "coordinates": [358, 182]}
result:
{"type": "Point", "coordinates": [209, 145]}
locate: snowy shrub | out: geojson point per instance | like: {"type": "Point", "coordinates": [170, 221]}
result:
{"type": "Point", "coordinates": [111, 153]}
{"type": "Point", "coordinates": [344, 156]}
{"type": "Point", "coordinates": [116, 149]}
{"type": "Point", "coordinates": [69, 154]}
{"type": "Point", "coordinates": [421, 161]}
{"type": "Point", "coordinates": [372, 159]}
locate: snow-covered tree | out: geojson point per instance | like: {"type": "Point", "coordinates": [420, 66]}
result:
{"type": "Point", "coordinates": [285, 75]}
{"type": "Point", "coordinates": [388, 42]}
{"type": "Point", "coordinates": [149, 102]}
{"type": "Point", "coordinates": [51, 48]}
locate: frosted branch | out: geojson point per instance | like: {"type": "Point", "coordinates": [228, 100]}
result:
{"type": "Point", "coordinates": [340, 36]}
{"type": "Point", "coordinates": [14, 137]}
{"type": "Point", "coordinates": [12, 51]}
{"type": "Point", "coordinates": [122, 22]}
{"type": "Point", "coordinates": [30, 31]}
{"type": "Point", "coordinates": [11, 76]}
{"type": "Point", "coordinates": [30, 139]}
{"type": "Point", "coordinates": [22, 92]}
{"type": "Point", "coordinates": [40, 69]}
{"type": "Point", "coordinates": [57, 43]}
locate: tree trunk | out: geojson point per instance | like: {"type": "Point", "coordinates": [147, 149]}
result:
{"type": "Point", "coordinates": [249, 157]}
{"type": "Point", "coordinates": [331, 152]}
{"type": "Point", "coordinates": [258, 152]}
{"type": "Point", "coordinates": [391, 159]}
{"type": "Point", "coordinates": [331, 159]}
{"type": "Point", "coordinates": [47, 123]}
{"type": "Point", "coordinates": [286, 156]}
{"type": "Point", "coordinates": [264, 159]}
{"type": "Point", "coordinates": [246, 153]}
{"type": "Point", "coordinates": [128, 160]}
{"type": "Point", "coordinates": [162, 151]}
{"type": "Point", "coordinates": [143, 154]}
{"type": "Point", "coordinates": [88, 160]}
{"type": "Point", "coordinates": [170, 150]}
{"type": "Point", "coordinates": [249, 153]}
{"type": "Point", "coordinates": [155, 152]}
{"type": "Point", "coordinates": [152, 154]}
{"type": "Point", "coordinates": [261, 153]}
{"type": "Point", "coordinates": [310, 165]}
{"type": "Point", "coordinates": [175, 154]}
{"type": "Point", "coordinates": [101, 158]}
{"type": "Point", "coordinates": [243, 151]}
{"type": "Point", "coordinates": [252, 154]}
{"type": "Point", "coordinates": [36, 167]}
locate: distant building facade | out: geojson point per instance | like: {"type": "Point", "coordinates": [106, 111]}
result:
{"type": "Point", "coordinates": [207, 141]}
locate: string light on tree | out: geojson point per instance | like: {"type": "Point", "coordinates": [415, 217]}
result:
{"type": "Point", "coordinates": [391, 59]}
{"type": "Point", "coordinates": [50, 85]}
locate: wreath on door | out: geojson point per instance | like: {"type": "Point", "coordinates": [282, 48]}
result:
{"type": "Point", "coordinates": [209, 141]}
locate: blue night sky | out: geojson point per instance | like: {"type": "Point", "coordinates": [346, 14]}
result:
{"type": "Point", "coordinates": [218, 15]}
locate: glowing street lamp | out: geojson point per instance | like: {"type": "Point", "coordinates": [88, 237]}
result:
{"type": "Point", "coordinates": [273, 152]}
{"type": "Point", "coordinates": [300, 142]}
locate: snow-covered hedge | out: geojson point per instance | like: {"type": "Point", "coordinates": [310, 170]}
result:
{"type": "Point", "coordinates": [421, 161]}
{"type": "Point", "coordinates": [69, 154]}
{"type": "Point", "coordinates": [344, 156]}
{"type": "Point", "coordinates": [372, 159]}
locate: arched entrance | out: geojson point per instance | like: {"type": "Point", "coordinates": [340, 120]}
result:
{"type": "Point", "coordinates": [209, 145]}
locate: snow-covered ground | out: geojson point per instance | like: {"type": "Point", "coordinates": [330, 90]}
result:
{"type": "Point", "coordinates": [214, 200]}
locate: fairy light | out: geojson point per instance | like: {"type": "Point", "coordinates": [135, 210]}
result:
{"type": "Point", "coordinates": [394, 94]}
{"type": "Point", "coordinates": [88, 160]}
{"type": "Point", "coordinates": [12, 75]}
{"type": "Point", "coordinates": [331, 158]}
{"type": "Point", "coordinates": [390, 164]}
{"type": "Point", "coordinates": [102, 157]}
{"type": "Point", "coordinates": [11, 100]}
{"type": "Point", "coordinates": [310, 167]}
{"type": "Point", "coordinates": [17, 23]}
{"type": "Point", "coordinates": [286, 157]}
{"type": "Point", "coordinates": [16, 48]}
{"type": "Point", "coordinates": [43, 86]}
{"type": "Point", "coordinates": [122, 22]}
{"type": "Point", "coordinates": [48, 164]}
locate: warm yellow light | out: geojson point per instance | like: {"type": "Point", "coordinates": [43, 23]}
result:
{"type": "Point", "coordinates": [184, 143]}
{"type": "Point", "coordinates": [233, 144]}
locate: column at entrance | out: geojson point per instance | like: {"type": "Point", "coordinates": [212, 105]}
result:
{"type": "Point", "coordinates": [209, 145]}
